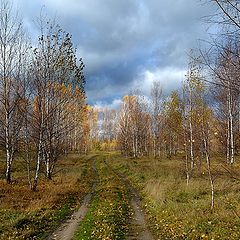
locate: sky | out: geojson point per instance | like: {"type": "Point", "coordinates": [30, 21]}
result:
{"type": "Point", "coordinates": [126, 44]}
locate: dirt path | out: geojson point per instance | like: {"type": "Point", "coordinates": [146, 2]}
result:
{"type": "Point", "coordinates": [138, 228]}
{"type": "Point", "coordinates": [67, 229]}
{"type": "Point", "coordinates": [138, 224]}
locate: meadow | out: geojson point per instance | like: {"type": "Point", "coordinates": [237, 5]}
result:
{"type": "Point", "coordinates": [176, 210]}
{"type": "Point", "coordinates": [173, 209]}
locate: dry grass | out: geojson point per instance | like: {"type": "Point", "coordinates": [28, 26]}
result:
{"type": "Point", "coordinates": [26, 214]}
{"type": "Point", "coordinates": [178, 211]}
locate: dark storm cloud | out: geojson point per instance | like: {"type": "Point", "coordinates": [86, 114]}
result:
{"type": "Point", "coordinates": [126, 43]}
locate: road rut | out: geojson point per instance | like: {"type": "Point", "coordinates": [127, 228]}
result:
{"type": "Point", "coordinates": [68, 228]}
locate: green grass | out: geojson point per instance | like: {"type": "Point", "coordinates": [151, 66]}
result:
{"type": "Point", "coordinates": [33, 225]}
{"type": "Point", "coordinates": [178, 211]}
{"type": "Point", "coordinates": [107, 217]}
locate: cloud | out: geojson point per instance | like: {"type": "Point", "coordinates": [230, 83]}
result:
{"type": "Point", "coordinates": [115, 104]}
{"type": "Point", "coordinates": [127, 43]}
{"type": "Point", "coordinates": [169, 78]}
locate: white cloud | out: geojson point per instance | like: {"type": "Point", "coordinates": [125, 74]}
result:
{"type": "Point", "coordinates": [169, 77]}
{"type": "Point", "coordinates": [115, 104]}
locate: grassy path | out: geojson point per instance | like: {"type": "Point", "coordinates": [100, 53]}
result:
{"type": "Point", "coordinates": [137, 226]}
{"type": "Point", "coordinates": [108, 215]}
{"type": "Point", "coordinates": [115, 210]}
{"type": "Point", "coordinates": [179, 211]}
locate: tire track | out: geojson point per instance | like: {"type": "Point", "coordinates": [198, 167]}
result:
{"type": "Point", "coordinates": [67, 229]}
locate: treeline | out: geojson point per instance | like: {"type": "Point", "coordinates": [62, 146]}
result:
{"type": "Point", "coordinates": [43, 113]}
{"type": "Point", "coordinates": [207, 105]}
{"type": "Point", "coordinates": [200, 120]}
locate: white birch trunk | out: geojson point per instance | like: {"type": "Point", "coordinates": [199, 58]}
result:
{"type": "Point", "coordinates": [39, 158]}
{"type": "Point", "coordinates": [206, 150]}
{"type": "Point", "coordinates": [191, 143]}
{"type": "Point", "coordinates": [230, 137]}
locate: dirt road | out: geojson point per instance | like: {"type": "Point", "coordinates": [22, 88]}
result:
{"type": "Point", "coordinates": [138, 229]}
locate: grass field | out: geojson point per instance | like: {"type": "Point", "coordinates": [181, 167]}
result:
{"type": "Point", "coordinates": [173, 209]}
{"type": "Point", "coordinates": [178, 211]}
{"type": "Point", "coordinates": [32, 215]}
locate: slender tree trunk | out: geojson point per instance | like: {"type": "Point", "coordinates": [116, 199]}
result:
{"type": "Point", "coordinates": [208, 165]}
{"type": "Point", "coordinates": [35, 183]}
{"type": "Point", "coordinates": [9, 160]}
{"type": "Point", "coordinates": [209, 173]}
{"type": "Point", "coordinates": [39, 159]}
{"type": "Point", "coordinates": [205, 137]}
{"type": "Point", "coordinates": [9, 167]}
{"type": "Point", "coordinates": [186, 146]}
{"type": "Point", "coordinates": [231, 137]}
{"type": "Point", "coordinates": [186, 159]}
{"type": "Point", "coordinates": [230, 143]}
{"type": "Point", "coordinates": [7, 134]}
{"type": "Point", "coordinates": [191, 128]}
{"type": "Point", "coordinates": [191, 143]}
{"type": "Point", "coordinates": [48, 167]}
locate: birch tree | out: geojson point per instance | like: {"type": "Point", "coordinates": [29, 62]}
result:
{"type": "Point", "coordinates": [172, 113]}
{"type": "Point", "coordinates": [13, 49]}
{"type": "Point", "coordinates": [56, 76]}
{"type": "Point", "coordinates": [227, 98]}
{"type": "Point", "coordinates": [124, 125]}
{"type": "Point", "coordinates": [156, 102]}
{"type": "Point", "coordinates": [205, 128]}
